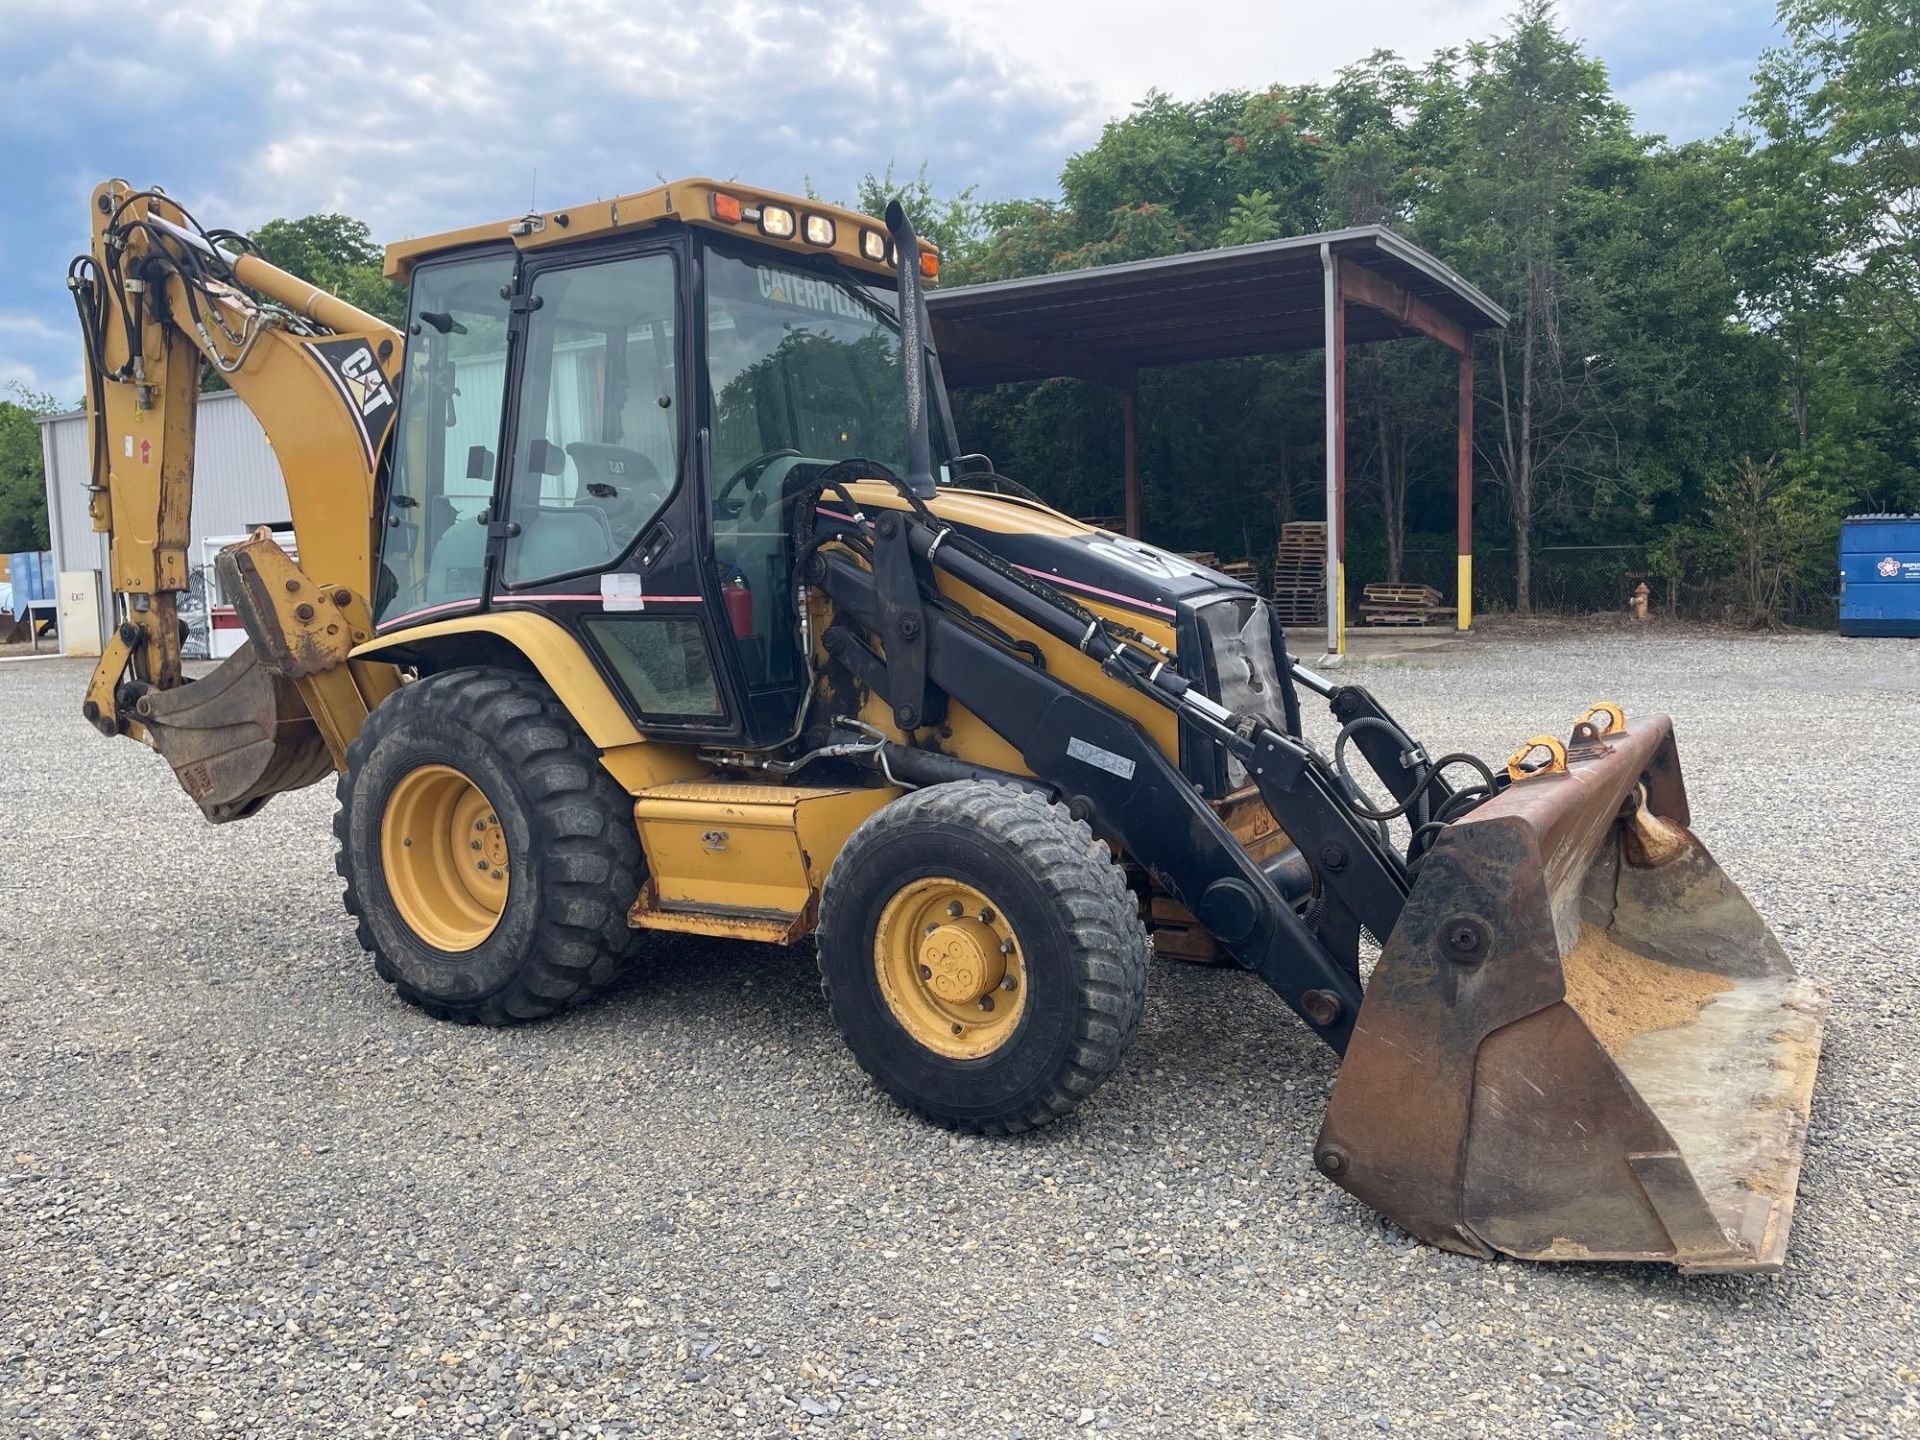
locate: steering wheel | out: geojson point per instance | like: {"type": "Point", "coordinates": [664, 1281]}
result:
{"type": "Point", "coordinates": [751, 474]}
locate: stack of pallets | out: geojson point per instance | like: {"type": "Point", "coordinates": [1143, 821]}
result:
{"type": "Point", "coordinates": [1300, 574]}
{"type": "Point", "coordinates": [1402, 605]}
{"type": "Point", "coordinates": [1242, 570]}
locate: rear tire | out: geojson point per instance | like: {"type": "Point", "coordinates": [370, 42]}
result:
{"type": "Point", "coordinates": [546, 927]}
{"type": "Point", "coordinates": [1060, 925]}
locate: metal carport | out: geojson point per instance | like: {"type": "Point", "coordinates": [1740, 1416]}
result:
{"type": "Point", "coordinates": [1321, 291]}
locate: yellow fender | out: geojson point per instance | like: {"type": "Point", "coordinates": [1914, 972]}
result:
{"type": "Point", "coordinates": [563, 663]}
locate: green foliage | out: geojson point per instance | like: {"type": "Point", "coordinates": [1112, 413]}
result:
{"type": "Point", "coordinates": [1675, 308]}
{"type": "Point", "coordinates": [1768, 533]}
{"type": "Point", "coordinates": [23, 483]}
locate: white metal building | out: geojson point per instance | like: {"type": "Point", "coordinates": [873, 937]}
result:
{"type": "Point", "coordinates": [236, 486]}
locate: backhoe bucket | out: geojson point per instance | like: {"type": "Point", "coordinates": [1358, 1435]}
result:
{"type": "Point", "coordinates": [1581, 1041]}
{"type": "Point", "coordinates": [236, 737]}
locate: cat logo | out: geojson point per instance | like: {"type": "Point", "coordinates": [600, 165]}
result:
{"type": "Point", "coordinates": [363, 386]}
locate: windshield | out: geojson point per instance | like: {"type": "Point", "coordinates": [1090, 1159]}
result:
{"type": "Point", "coordinates": [802, 360]}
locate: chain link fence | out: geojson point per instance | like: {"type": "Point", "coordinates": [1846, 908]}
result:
{"type": "Point", "coordinates": [1566, 579]}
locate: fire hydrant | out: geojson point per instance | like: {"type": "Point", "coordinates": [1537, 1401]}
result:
{"type": "Point", "coordinates": [1638, 604]}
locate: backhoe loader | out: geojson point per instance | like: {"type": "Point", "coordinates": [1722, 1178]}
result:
{"type": "Point", "coordinates": [643, 586]}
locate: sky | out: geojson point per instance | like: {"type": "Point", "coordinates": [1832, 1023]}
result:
{"type": "Point", "coordinates": [418, 117]}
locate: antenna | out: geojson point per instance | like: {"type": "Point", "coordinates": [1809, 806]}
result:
{"type": "Point", "coordinates": [533, 199]}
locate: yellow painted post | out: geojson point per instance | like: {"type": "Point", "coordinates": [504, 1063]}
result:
{"type": "Point", "coordinates": [1463, 499]}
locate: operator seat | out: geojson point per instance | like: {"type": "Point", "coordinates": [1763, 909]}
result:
{"type": "Point", "coordinates": [623, 482]}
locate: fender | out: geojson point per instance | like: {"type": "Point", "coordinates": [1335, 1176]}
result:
{"type": "Point", "coordinates": [552, 651]}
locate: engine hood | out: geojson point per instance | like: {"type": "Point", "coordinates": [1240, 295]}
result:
{"type": "Point", "coordinates": [1082, 559]}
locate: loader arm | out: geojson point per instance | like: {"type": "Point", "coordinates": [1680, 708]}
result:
{"type": "Point", "coordinates": [160, 299]}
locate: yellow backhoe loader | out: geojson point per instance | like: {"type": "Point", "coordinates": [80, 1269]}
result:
{"type": "Point", "coordinates": [642, 586]}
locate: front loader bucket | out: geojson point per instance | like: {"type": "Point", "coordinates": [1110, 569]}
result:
{"type": "Point", "coordinates": [1581, 1041]}
{"type": "Point", "coordinates": [236, 737]}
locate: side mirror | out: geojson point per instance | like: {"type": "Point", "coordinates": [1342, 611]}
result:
{"type": "Point", "coordinates": [479, 463]}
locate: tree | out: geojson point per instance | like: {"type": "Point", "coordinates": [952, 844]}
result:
{"type": "Point", "coordinates": [1847, 96]}
{"type": "Point", "coordinates": [1774, 533]}
{"type": "Point", "coordinates": [1537, 113]}
{"type": "Point", "coordinates": [337, 253]}
{"type": "Point", "coordinates": [23, 479]}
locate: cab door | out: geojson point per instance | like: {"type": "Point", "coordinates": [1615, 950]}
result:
{"type": "Point", "coordinates": [597, 524]}
{"type": "Point", "coordinates": [596, 435]}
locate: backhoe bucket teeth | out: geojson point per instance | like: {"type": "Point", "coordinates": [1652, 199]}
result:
{"type": "Point", "coordinates": [1581, 1041]}
{"type": "Point", "coordinates": [236, 737]}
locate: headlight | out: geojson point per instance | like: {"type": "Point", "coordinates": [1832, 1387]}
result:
{"type": "Point", "coordinates": [819, 230]}
{"type": "Point", "coordinates": [776, 221]}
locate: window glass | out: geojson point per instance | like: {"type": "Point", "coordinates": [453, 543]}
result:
{"type": "Point", "coordinates": [803, 361]}
{"type": "Point", "coordinates": [596, 452]}
{"type": "Point", "coordinates": [803, 369]}
{"type": "Point", "coordinates": [434, 542]}
{"type": "Point", "coordinates": [662, 662]}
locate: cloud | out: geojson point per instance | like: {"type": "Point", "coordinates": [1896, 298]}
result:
{"type": "Point", "coordinates": [420, 115]}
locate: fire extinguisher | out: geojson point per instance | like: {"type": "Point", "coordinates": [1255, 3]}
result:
{"type": "Point", "coordinates": [739, 601]}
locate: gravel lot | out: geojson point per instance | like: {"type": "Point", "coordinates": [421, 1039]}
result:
{"type": "Point", "coordinates": [244, 1191]}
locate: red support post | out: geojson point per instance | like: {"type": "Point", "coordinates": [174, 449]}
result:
{"type": "Point", "coordinates": [1463, 519]}
{"type": "Point", "coordinates": [1338, 519]}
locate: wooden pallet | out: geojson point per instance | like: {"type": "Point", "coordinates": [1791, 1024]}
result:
{"type": "Point", "coordinates": [1401, 604]}
{"type": "Point", "coordinates": [1299, 590]}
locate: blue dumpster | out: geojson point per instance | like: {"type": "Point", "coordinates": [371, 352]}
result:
{"type": "Point", "coordinates": [32, 578]}
{"type": "Point", "coordinates": [1880, 575]}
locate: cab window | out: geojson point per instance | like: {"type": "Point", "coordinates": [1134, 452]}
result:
{"type": "Point", "coordinates": [802, 370]}
{"type": "Point", "coordinates": [433, 545]}
{"type": "Point", "coordinates": [596, 449]}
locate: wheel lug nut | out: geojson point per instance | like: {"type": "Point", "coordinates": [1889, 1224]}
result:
{"type": "Point", "coordinates": [959, 1029]}
{"type": "Point", "coordinates": [956, 909]}
{"type": "Point", "coordinates": [479, 824]}
{"type": "Point", "coordinates": [1006, 947]}
{"type": "Point", "coordinates": [986, 1002]}
{"type": "Point", "coordinates": [926, 973]}
{"type": "Point", "coordinates": [1007, 984]}
{"type": "Point", "coordinates": [498, 876]}
{"type": "Point", "coordinates": [479, 864]}
{"type": "Point", "coordinates": [986, 917]}
{"type": "Point", "coordinates": [473, 844]}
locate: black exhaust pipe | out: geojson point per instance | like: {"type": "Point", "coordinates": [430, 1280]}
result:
{"type": "Point", "coordinates": [913, 350]}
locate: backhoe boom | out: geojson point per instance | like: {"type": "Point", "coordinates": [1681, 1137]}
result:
{"type": "Point", "coordinates": [160, 300]}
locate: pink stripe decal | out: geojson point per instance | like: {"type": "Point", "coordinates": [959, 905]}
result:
{"type": "Point", "coordinates": [595, 599]}
{"type": "Point", "coordinates": [1132, 600]}
{"type": "Point", "coordinates": [430, 610]}
{"type": "Point", "coordinates": [836, 515]}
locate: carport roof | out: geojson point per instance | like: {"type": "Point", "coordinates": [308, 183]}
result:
{"type": "Point", "coordinates": [1269, 298]}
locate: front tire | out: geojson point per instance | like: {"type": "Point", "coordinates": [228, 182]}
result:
{"type": "Point", "coordinates": [489, 858]}
{"type": "Point", "coordinates": [982, 956]}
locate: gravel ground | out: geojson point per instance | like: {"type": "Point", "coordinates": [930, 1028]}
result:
{"type": "Point", "coordinates": [244, 1191]}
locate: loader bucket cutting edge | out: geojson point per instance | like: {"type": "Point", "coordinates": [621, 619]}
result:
{"type": "Point", "coordinates": [1581, 1041]}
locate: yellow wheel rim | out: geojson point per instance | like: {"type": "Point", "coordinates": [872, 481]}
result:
{"type": "Point", "coordinates": [951, 968]}
{"type": "Point", "coordinates": [445, 857]}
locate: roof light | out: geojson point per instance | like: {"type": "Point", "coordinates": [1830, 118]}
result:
{"type": "Point", "coordinates": [930, 264]}
{"type": "Point", "coordinates": [819, 230]}
{"type": "Point", "coordinates": [726, 207]}
{"type": "Point", "coordinates": [873, 245]}
{"type": "Point", "coordinates": [776, 221]}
